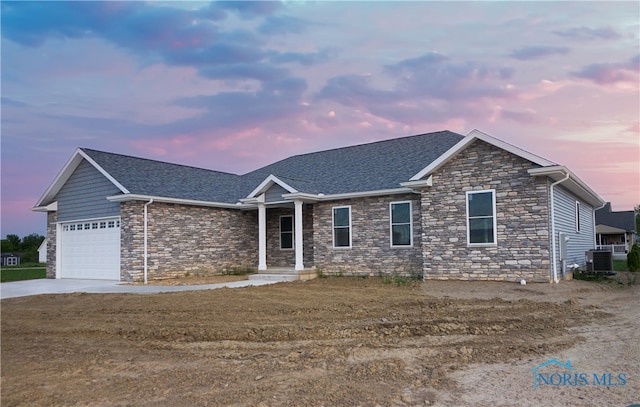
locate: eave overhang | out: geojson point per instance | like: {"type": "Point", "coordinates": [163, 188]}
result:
{"type": "Point", "coordinates": [573, 183]}
{"type": "Point", "coordinates": [180, 201]}
{"type": "Point", "coordinates": [52, 207]}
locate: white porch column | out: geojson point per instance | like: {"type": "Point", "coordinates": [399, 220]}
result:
{"type": "Point", "coordinates": [262, 237]}
{"type": "Point", "coordinates": [298, 234]}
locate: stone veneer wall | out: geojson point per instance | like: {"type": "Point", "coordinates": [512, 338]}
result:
{"type": "Point", "coordinates": [277, 257]}
{"type": "Point", "coordinates": [52, 241]}
{"type": "Point", "coordinates": [371, 252]}
{"type": "Point", "coordinates": [522, 206]}
{"type": "Point", "coordinates": [186, 239]}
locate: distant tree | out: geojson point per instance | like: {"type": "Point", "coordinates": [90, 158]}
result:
{"type": "Point", "coordinates": [31, 243]}
{"type": "Point", "coordinates": [633, 258]}
{"type": "Point", "coordinates": [637, 210]}
{"type": "Point", "coordinates": [11, 244]}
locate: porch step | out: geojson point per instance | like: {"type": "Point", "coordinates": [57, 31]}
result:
{"type": "Point", "coordinates": [284, 274]}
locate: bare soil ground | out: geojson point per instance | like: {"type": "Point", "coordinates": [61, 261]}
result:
{"type": "Point", "coordinates": [194, 280]}
{"type": "Point", "coordinates": [325, 342]}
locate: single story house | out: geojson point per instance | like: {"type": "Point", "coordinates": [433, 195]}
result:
{"type": "Point", "coordinates": [440, 205]}
{"type": "Point", "coordinates": [615, 231]}
{"type": "Point", "coordinates": [42, 252]}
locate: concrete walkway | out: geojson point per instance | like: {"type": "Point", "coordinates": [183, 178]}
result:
{"type": "Point", "coordinates": [62, 286]}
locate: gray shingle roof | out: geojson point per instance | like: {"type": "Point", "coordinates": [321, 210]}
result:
{"type": "Point", "coordinates": [366, 167]}
{"type": "Point", "coordinates": [157, 178]}
{"type": "Point", "coordinates": [622, 220]}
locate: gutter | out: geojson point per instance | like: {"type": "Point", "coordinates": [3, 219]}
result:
{"type": "Point", "coordinates": [553, 226]}
{"type": "Point", "coordinates": [146, 254]}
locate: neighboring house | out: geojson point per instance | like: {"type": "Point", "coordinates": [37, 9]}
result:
{"type": "Point", "coordinates": [439, 204]}
{"type": "Point", "coordinates": [10, 259]}
{"type": "Point", "coordinates": [42, 252]}
{"type": "Point", "coordinates": [615, 231]}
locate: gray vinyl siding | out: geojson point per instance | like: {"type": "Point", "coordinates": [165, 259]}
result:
{"type": "Point", "coordinates": [84, 195]}
{"type": "Point", "coordinates": [565, 220]}
{"type": "Point", "coordinates": [274, 194]}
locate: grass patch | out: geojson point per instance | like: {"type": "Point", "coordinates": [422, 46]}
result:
{"type": "Point", "coordinates": [620, 265]}
{"type": "Point", "coordinates": [9, 274]}
{"type": "Point", "coordinates": [590, 276]}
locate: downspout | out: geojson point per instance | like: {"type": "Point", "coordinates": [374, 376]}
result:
{"type": "Point", "coordinates": [553, 227]}
{"type": "Point", "coordinates": [595, 234]}
{"type": "Point", "coordinates": [145, 238]}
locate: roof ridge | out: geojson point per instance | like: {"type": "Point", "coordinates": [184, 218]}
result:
{"type": "Point", "coordinates": [376, 142]}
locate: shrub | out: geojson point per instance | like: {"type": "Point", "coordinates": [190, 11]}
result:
{"type": "Point", "coordinates": [633, 258]}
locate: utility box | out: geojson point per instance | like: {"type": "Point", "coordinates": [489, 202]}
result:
{"type": "Point", "coordinates": [599, 260]}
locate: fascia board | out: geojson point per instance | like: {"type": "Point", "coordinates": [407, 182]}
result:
{"type": "Point", "coordinates": [52, 207]}
{"type": "Point", "coordinates": [536, 159]}
{"type": "Point", "coordinates": [302, 196]}
{"type": "Point", "coordinates": [440, 161]}
{"type": "Point", "coordinates": [419, 183]}
{"type": "Point", "coordinates": [161, 199]}
{"type": "Point", "coordinates": [62, 177]}
{"type": "Point", "coordinates": [266, 184]}
{"type": "Point", "coordinates": [103, 172]}
{"type": "Point", "coordinates": [363, 194]}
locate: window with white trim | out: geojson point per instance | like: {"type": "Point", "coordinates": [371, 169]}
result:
{"type": "Point", "coordinates": [481, 217]}
{"type": "Point", "coordinates": [577, 216]}
{"type": "Point", "coordinates": [286, 232]}
{"type": "Point", "coordinates": [401, 224]}
{"type": "Point", "coordinates": [342, 226]}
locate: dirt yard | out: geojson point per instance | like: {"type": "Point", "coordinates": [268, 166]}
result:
{"type": "Point", "coordinates": [325, 342]}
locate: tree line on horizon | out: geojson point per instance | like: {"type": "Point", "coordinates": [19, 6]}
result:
{"type": "Point", "coordinates": [27, 246]}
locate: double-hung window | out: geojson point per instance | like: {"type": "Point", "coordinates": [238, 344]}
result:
{"type": "Point", "coordinates": [286, 232]}
{"type": "Point", "coordinates": [342, 226]}
{"type": "Point", "coordinates": [481, 217]}
{"type": "Point", "coordinates": [401, 225]}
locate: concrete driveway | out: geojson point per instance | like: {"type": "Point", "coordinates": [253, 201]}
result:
{"type": "Point", "coordinates": [62, 286]}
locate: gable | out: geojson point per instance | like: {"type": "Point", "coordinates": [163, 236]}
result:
{"type": "Point", "coordinates": [84, 195]}
{"type": "Point", "coordinates": [274, 194]}
{"type": "Point", "coordinates": [621, 220]}
{"type": "Point", "coordinates": [470, 139]}
{"type": "Point", "coordinates": [47, 201]}
{"type": "Point", "coordinates": [478, 158]}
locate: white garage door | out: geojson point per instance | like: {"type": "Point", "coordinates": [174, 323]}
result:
{"type": "Point", "coordinates": [90, 249]}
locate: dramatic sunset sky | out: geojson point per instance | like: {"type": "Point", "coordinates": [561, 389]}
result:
{"type": "Point", "coordinates": [233, 86]}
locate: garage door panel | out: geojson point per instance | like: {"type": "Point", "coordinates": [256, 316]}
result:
{"type": "Point", "coordinates": [91, 250]}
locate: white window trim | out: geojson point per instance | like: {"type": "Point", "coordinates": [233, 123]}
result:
{"type": "Point", "coordinates": [410, 225]}
{"type": "Point", "coordinates": [495, 216]}
{"type": "Point", "coordinates": [333, 227]}
{"type": "Point", "coordinates": [577, 217]}
{"type": "Point", "coordinates": [293, 229]}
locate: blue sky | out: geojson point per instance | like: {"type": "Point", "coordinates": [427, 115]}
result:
{"type": "Point", "coordinates": [233, 86]}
